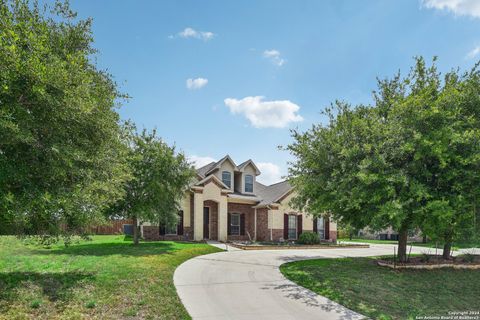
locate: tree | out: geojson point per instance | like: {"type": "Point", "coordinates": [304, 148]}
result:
{"type": "Point", "coordinates": [410, 160]}
{"type": "Point", "coordinates": [160, 177]}
{"type": "Point", "coordinates": [61, 153]}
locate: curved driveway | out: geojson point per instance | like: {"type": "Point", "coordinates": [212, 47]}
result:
{"type": "Point", "coordinates": [238, 284]}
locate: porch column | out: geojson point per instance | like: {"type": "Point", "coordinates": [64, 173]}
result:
{"type": "Point", "coordinates": [222, 219]}
{"type": "Point", "coordinates": [255, 225]}
{"type": "Point", "coordinates": [198, 216]}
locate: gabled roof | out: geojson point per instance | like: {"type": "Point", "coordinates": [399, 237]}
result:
{"type": "Point", "coordinates": [243, 165]}
{"type": "Point", "coordinates": [273, 193]}
{"type": "Point", "coordinates": [215, 180]}
{"type": "Point", "coordinates": [203, 170]}
{"type": "Point", "coordinates": [218, 164]}
{"type": "Point", "coordinates": [265, 195]}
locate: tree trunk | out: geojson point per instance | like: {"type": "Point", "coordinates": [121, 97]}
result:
{"type": "Point", "coordinates": [135, 232]}
{"type": "Point", "coordinates": [350, 236]}
{"type": "Point", "coordinates": [402, 245]}
{"type": "Point", "coordinates": [424, 240]}
{"type": "Point", "coordinates": [447, 250]}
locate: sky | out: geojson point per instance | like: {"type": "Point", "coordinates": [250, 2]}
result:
{"type": "Point", "coordinates": [235, 77]}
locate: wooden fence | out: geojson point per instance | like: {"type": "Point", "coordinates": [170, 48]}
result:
{"type": "Point", "coordinates": [112, 227]}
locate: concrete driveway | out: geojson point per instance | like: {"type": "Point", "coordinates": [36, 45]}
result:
{"type": "Point", "coordinates": [239, 284]}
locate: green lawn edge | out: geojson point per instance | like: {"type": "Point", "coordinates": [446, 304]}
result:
{"type": "Point", "coordinates": [381, 293]}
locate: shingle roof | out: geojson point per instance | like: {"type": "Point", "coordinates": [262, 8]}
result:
{"type": "Point", "coordinates": [203, 170]}
{"type": "Point", "coordinates": [269, 194]}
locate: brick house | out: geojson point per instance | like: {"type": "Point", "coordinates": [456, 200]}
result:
{"type": "Point", "coordinates": [226, 203]}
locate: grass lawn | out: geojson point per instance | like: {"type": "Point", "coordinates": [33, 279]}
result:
{"type": "Point", "coordinates": [381, 293]}
{"type": "Point", "coordinates": [456, 246]}
{"type": "Point", "coordinates": [107, 278]}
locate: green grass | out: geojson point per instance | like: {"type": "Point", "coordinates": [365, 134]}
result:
{"type": "Point", "coordinates": [107, 278]}
{"type": "Point", "coordinates": [382, 293]}
{"type": "Point", "coordinates": [456, 246]}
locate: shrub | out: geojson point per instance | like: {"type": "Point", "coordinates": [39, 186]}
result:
{"type": "Point", "coordinates": [426, 257]}
{"type": "Point", "coordinates": [468, 257]}
{"type": "Point", "coordinates": [309, 238]}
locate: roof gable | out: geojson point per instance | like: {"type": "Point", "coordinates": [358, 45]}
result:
{"type": "Point", "coordinates": [274, 193]}
{"type": "Point", "coordinates": [211, 178]}
{"type": "Point", "coordinates": [218, 164]}
{"type": "Point", "coordinates": [249, 162]}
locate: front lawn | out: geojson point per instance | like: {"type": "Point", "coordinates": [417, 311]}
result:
{"type": "Point", "coordinates": [107, 278]}
{"type": "Point", "coordinates": [382, 293]}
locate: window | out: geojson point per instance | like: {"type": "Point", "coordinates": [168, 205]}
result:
{"type": "Point", "coordinates": [292, 226]}
{"type": "Point", "coordinates": [321, 228]}
{"type": "Point", "coordinates": [227, 178]}
{"type": "Point", "coordinates": [235, 224]}
{"type": "Point", "coordinates": [248, 183]}
{"type": "Point", "coordinates": [171, 229]}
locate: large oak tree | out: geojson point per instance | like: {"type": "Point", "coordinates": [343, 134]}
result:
{"type": "Point", "coordinates": [61, 152]}
{"type": "Point", "coordinates": [160, 178]}
{"type": "Point", "coordinates": [410, 160]}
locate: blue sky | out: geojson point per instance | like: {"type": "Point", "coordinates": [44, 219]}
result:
{"type": "Point", "coordinates": [260, 68]}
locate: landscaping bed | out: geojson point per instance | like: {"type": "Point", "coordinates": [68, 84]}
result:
{"type": "Point", "coordinates": [466, 261]}
{"type": "Point", "coordinates": [291, 245]}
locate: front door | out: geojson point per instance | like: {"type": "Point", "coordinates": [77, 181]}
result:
{"type": "Point", "coordinates": [206, 222]}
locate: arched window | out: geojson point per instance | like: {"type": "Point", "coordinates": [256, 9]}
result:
{"type": "Point", "coordinates": [227, 178]}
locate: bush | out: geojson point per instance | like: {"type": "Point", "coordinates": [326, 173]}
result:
{"type": "Point", "coordinates": [309, 238]}
{"type": "Point", "coordinates": [468, 257]}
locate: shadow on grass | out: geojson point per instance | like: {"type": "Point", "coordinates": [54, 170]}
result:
{"type": "Point", "coordinates": [55, 286]}
{"type": "Point", "coordinates": [113, 248]}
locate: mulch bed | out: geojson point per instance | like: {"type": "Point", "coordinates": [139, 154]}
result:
{"type": "Point", "coordinates": [295, 246]}
{"type": "Point", "coordinates": [468, 261]}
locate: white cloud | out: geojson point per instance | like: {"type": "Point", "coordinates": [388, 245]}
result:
{"type": "Point", "coordinates": [264, 114]}
{"type": "Point", "coordinates": [474, 53]}
{"type": "Point", "coordinates": [192, 33]}
{"type": "Point", "coordinates": [199, 162]}
{"type": "Point", "coordinates": [274, 56]}
{"type": "Point", "coordinates": [458, 7]}
{"type": "Point", "coordinates": [194, 84]}
{"type": "Point", "coordinates": [270, 173]}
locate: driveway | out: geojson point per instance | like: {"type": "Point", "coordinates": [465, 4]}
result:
{"type": "Point", "coordinates": [238, 284]}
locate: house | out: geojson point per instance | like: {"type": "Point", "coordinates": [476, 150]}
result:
{"type": "Point", "coordinates": [226, 203]}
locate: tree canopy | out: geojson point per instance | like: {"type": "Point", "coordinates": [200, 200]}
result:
{"type": "Point", "coordinates": [160, 178]}
{"type": "Point", "coordinates": [61, 152]}
{"type": "Point", "coordinates": [410, 160]}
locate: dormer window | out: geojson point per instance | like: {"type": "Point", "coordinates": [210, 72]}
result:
{"type": "Point", "coordinates": [227, 178]}
{"type": "Point", "coordinates": [248, 183]}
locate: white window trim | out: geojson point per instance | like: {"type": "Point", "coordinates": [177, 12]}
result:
{"type": "Point", "coordinates": [296, 227]}
{"type": "Point", "coordinates": [239, 223]}
{"type": "Point", "coordinates": [230, 174]}
{"type": "Point", "coordinates": [245, 183]}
